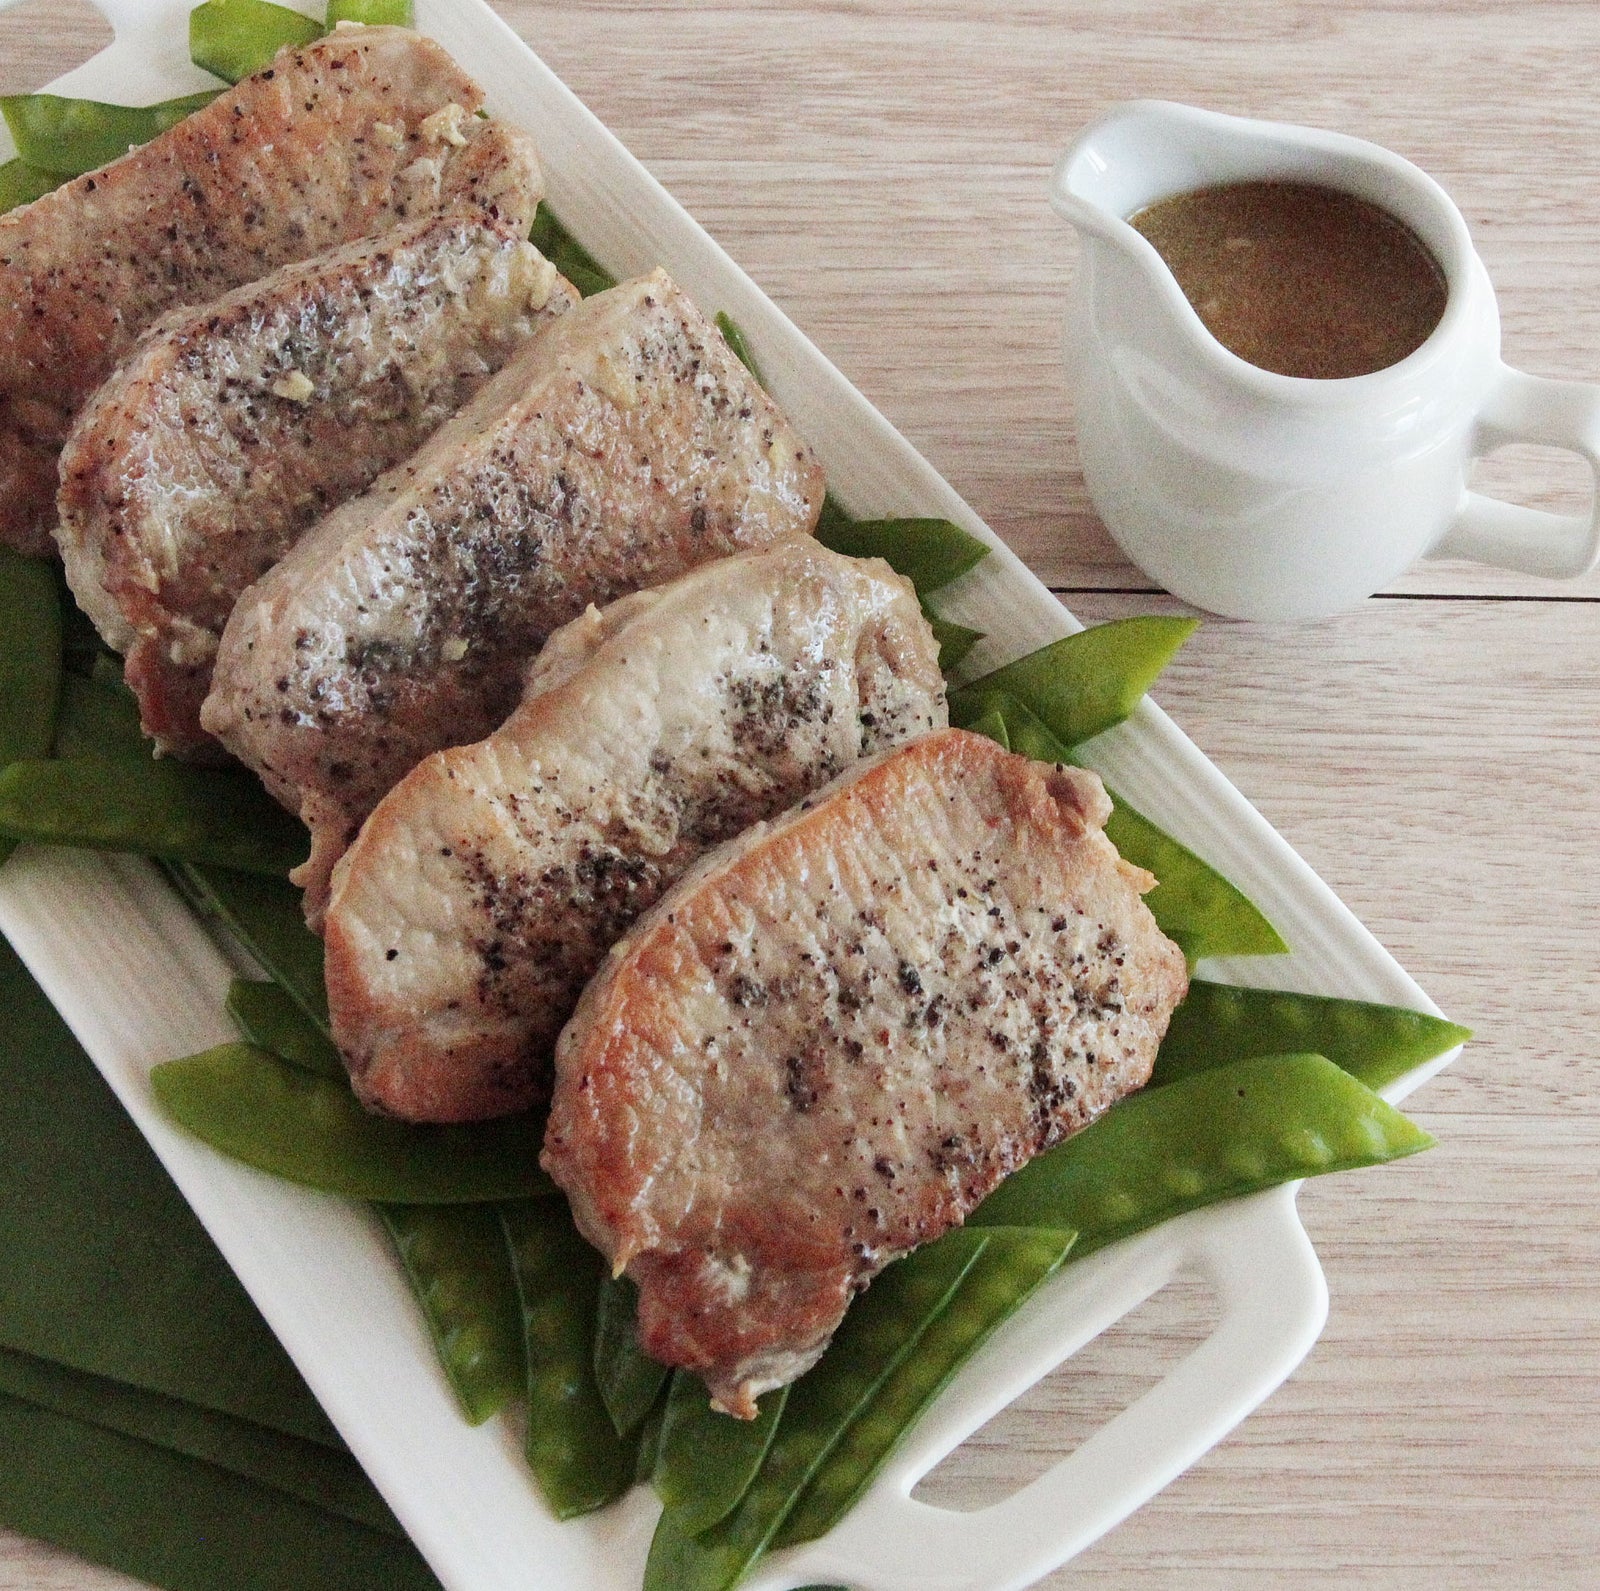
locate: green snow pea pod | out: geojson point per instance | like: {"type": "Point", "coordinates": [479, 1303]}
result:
{"type": "Point", "coordinates": [929, 552]}
{"type": "Point", "coordinates": [1212, 1135]}
{"type": "Point", "coordinates": [833, 517]}
{"type": "Point", "coordinates": [572, 1448]}
{"type": "Point", "coordinates": [955, 640]}
{"type": "Point", "coordinates": [649, 1439]}
{"type": "Point", "coordinates": [373, 13]}
{"type": "Point", "coordinates": [163, 809]}
{"type": "Point", "coordinates": [1221, 1022]}
{"type": "Point", "coordinates": [30, 656]}
{"type": "Point", "coordinates": [244, 1101]}
{"type": "Point", "coordinates": [21, 184]}
{"type": "Point", "coordinates": [456, 1259]}
{"type": "Point", "coordinates": [30, 660]}
{"type": "Point", "coordinates": [992, 725]}
{"type": "Point", "coordinates": [630, 1381]}
{"type": "Point", "coordinates": [105, 668]}
{"type": "Point", "coordinates": [234, 38]}
{"type": "Point", "coordinates": [265, 916]}
{"type": "Point", "coordinates": [1192, 903]}
{"type": "Point", "coordinates": [880, 1332]}
{"type": "Point", "coordinates": [68, 137]}
{"type": "Point", "coordinates": [99, 722]}
{"type": "Point", "coordinates": [1007, 1271]}
{"type": "Point", "coordinates": [81, 645]}
{"type": "Point", "coordinates": [567, 254]}
{"type": "Point", "coordinates": [706, 1461]}
{"type": "Point", "coordinates": [733, 336]}
{"type": "Point", "coordinates": [1085, 684]}
{"type": "Point", "coordinates": [1004, 719]}
{"type": "Point", "coordinates": [269, 1017]}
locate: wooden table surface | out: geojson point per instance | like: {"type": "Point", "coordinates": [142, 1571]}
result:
{"type": "Point", "coordinates": [879, 167]}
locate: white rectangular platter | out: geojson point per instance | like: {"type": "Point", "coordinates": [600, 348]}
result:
{"type": "Point", "coordinates": [140, 981]}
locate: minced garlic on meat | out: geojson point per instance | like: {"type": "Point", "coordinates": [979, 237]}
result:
{"type": "Point", "coordinates": [444, 126]}
{"type": "Point", "coordinates": [296, 386]}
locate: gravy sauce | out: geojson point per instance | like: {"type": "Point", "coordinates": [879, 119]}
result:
{"type": "Point", "coordinates": [1299, 278]}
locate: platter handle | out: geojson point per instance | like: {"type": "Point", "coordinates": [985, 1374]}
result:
{"type": "Point", "coordinates": [1271, 1302]}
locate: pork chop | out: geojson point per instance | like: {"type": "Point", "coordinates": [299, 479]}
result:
{"type": "Point", "coordinates": [360, 130]}
{"type": "Point", "coordinates": [489, 883]}
{"type": "Point", "coordinates": [622, 447]}
{"type": "Point", "coordinates": [234, 427]}
{"type": "Point", "coordinates": [835, 1036]}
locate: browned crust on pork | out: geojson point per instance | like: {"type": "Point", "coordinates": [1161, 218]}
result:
{"type": "Point", "coordinates": [285, 164]}
{"type": "Point", "coordinates": [629, 1048]}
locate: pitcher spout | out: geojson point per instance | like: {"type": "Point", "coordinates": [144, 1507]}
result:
{"type": "Point", "coordinates": [1147, 150]}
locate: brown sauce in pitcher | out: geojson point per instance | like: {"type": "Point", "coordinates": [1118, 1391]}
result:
{"type": "Point", "coordinates": [1299, 278]}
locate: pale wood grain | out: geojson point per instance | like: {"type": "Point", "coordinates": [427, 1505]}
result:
{"type": "Point", "coordinates": [879, 167]}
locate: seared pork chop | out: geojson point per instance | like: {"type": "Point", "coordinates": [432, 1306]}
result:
{"type": "Point", "coordinates": [234, 427]}
{"type": "Point", "coordinates": [622, 447]}
{"type": "Point", "coordinates": [489, 883]}
{"type": "Point", "coordinates": [835, 1036]}
{"type": "Point", "coordinates": [347, 136]}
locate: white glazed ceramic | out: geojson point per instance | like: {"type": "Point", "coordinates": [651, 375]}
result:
{"type": "Point", "coordinates": [139, 980]}
{"type": "Point", "coordinates": [1264, 496]}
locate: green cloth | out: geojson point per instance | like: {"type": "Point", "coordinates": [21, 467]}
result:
{"type": "Point", "coordinates": [103, 1266]}
{"type": "Point", "coordinates": [315, 1474]}
{"type": "Point", "coordinates": [178, 1522]}
{"type": "Point", "coordinates": [148, 1418]}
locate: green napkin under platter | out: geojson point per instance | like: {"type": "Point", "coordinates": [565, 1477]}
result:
{"type": "Point", "coordinates": [151, 1420]}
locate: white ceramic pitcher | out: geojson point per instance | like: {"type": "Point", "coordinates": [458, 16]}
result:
{"type": "Point", "coordinates": [1265, 496]}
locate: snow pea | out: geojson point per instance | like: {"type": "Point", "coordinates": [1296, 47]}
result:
{"type": "Point", "coordinates": [269, 1017]}
{"type": "Point", "coordinates": [649, 1440]}
{"type": "Point", "coordinates": [1085, 684]}
{"type": "Point", "coordinates": [373, 13]}
{"type": "Point", "coordinates": [234, 38]}
{"type": "Point", "coordinates": [567, 254]}
{"type": "Point", "coordinates": [733, 335]}
{"type": "Point", "coordinates": [630, 1381]}
{"type": "Point", "coordinates": [929, 552]}
{"type": "Point", "coordinates": [991, 724]}
{"type": "Point", "coordinates": [572, 1447]}
{"type": "Point", "coordinates": [955, 640]}
{"type": "Point", "coordinates": [456, 1259]}
{"type": "Point", "coordinates": [706, 1461]}
{"type": "Point", "coordinates": [244, 1101]}
{"type": "Point", "coordinates": [21, 184]}
{"type": "Point", "coordinates": [880, 1333]}
{"type": "Point", "coordinates": [161, 809]}
{"type": "Point", "coordinates": [81, 645]}
{"type": "Point", "coordinates": [30, 661]}
{"type": "Point", "coordinates": [265, 916]}
{"type": "Point", "coordinates": [100, 722]}
{"type": "Point", "coordinates": [1006, 1272]}
{"type": "Point", "coordinates": [68, 137]}
{"type": "Point", "coordinates": [1221, 1022]}
{"type": "Point", "coordinates": [833, 517]}
{"type": "Point", "coordinates": [1192, 903]}
{"type": "Point", "coordinates": [1212, 1135]}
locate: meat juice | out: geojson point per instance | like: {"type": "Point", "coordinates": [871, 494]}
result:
{"type": "Point", "coordinates": [1299, 278]}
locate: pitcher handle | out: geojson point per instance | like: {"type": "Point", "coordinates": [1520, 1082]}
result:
{"type": "Point", "coordinates": [1561, 414]}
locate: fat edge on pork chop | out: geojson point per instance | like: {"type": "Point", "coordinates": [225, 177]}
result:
{"type": "Point", "coordinates": [234, 427]}
{"type": "Point", "coordinates": [487, 886]}
{"type": "Point", "coordinates": [623, 446]}
{"type": "Point", "coordinates": [834, 1037]}
{"type": "Point", "coordinates": [349, 135]}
